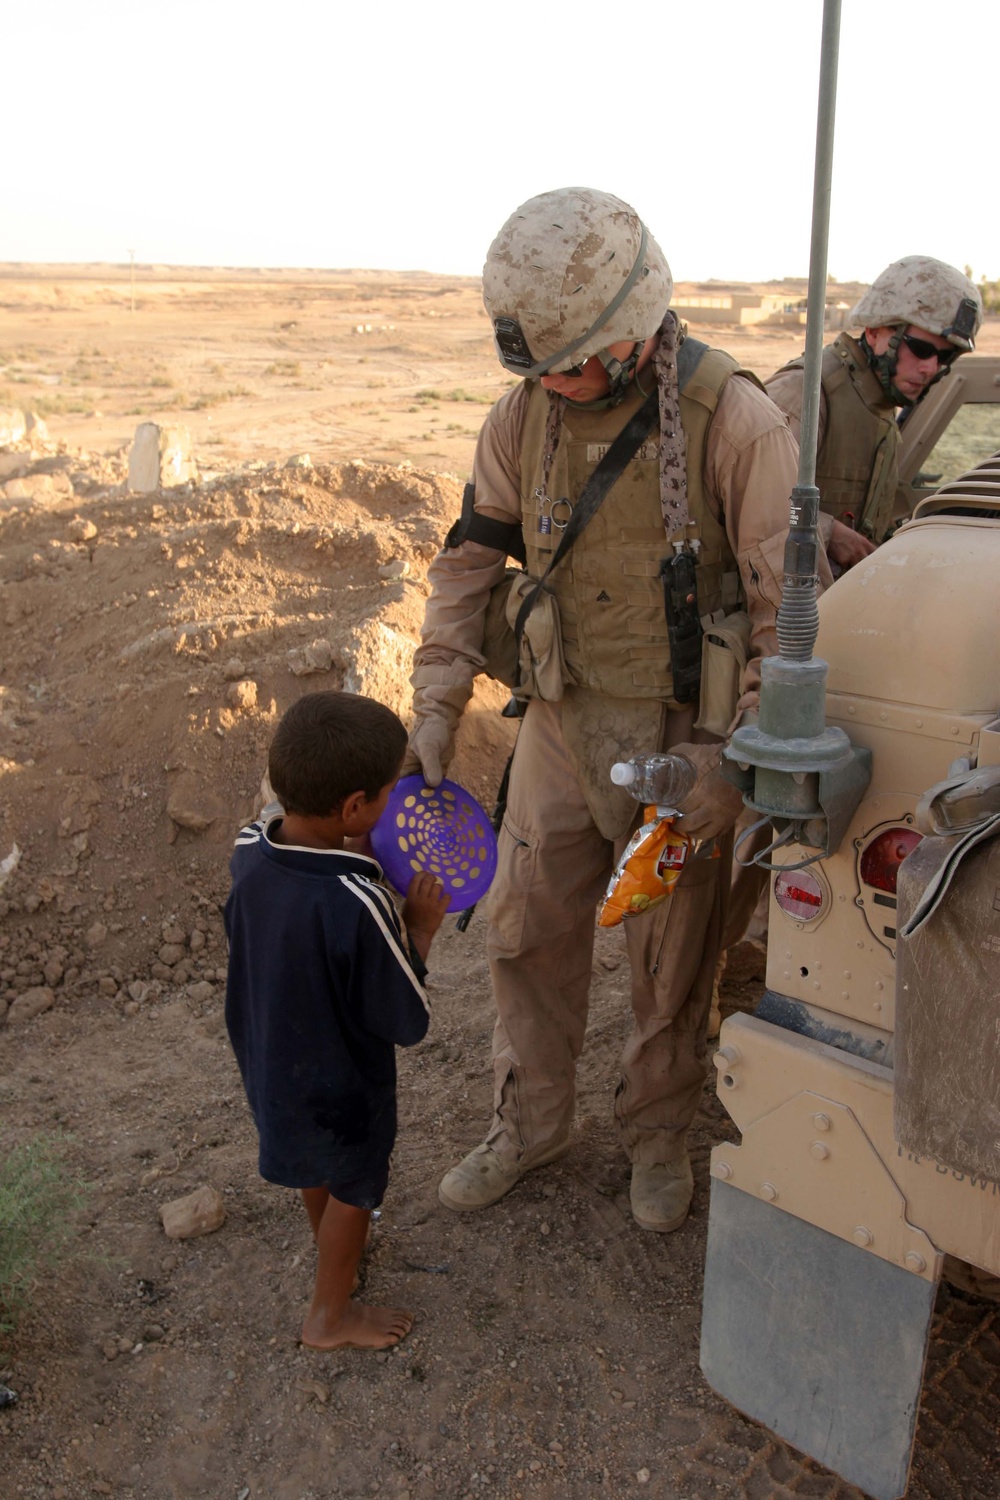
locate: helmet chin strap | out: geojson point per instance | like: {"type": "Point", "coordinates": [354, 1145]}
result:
{"type": "Point", "coordinates": [619, 373]}
{"type": "Point", "coordinates": [885, 364]}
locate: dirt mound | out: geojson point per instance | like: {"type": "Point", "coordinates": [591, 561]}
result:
{"type": "Point", "coordinates": [150, 644]}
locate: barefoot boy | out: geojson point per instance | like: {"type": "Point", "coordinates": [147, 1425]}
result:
{"type": "Point", "coordinates": [323, 985]}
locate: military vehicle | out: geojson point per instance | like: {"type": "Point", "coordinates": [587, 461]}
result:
{"type": "Point", "coordinates": [867, 1084]}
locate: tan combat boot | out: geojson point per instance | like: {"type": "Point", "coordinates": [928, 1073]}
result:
{"type": "Point", "coordinates": [483, 1177]}
{"type": "Point", "coordinates": [661, 1194]}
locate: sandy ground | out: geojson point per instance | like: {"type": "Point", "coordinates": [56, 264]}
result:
{"type": "Point", "coordinates": [149, 644]}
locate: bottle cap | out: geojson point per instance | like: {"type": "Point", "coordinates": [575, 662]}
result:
{"type": "Point", "coordinates": [623, 773]}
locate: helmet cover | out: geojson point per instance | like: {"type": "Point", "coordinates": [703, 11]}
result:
{"type": "Point", "coordinates": [922, 292]}
{"type": "Point", "coordinates": [571, 272]}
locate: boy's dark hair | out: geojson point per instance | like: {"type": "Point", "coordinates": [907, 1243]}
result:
{"type": "Point", "coordinates": [329, 745]}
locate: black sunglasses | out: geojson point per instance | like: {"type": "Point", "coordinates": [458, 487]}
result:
{"type": "Point", "coordinates": [921, 349]}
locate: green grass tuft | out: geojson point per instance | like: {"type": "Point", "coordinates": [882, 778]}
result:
{"type": "Point", "coordinates": [37, 1200]}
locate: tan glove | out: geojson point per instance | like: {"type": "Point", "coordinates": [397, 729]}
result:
{"type": "Point", "coordinates": [713, 804]}
{"type": "Point", "coordinates": [437, 708]}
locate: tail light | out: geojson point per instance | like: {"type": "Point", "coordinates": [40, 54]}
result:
{"type": "Point", "coordinates": [799, 895]}
{"type": "Point", "coordinates": [880, 862]}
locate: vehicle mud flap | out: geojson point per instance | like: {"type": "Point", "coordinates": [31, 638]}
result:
{"type": "Point", "coordinates": [820, 1341]}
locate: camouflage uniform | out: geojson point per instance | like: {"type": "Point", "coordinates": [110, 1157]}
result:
{"type": "Point", "coordinates": [555, 861]}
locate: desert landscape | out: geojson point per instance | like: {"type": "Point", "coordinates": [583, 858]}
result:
{"type": "Point", "coordinates": [150, 642]}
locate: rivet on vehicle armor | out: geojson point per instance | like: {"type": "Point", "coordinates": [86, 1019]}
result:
{"type": "Point", "coordinates": [768, 1191]}
{"type": "Point", "coordinates": [819, 1150]}
{"type": "Point", "coordinates": [822, 1122]}
{"type": "Point", "coordinates": [915, 1262]}
{"type": "Point", "coordinates": [863, 1237]}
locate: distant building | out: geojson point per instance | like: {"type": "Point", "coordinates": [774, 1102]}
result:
{"type": "Point", "coordinates": [742, 306]}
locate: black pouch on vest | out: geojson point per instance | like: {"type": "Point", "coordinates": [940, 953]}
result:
{"type": "Point", "coordinates": [684, 631]}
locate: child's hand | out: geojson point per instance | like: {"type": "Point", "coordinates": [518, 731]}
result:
{"type": "Point", "coordinates": [424, 909]}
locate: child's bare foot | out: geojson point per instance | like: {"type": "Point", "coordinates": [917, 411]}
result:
{"type": "Point", "coordinates": [359, 1327]}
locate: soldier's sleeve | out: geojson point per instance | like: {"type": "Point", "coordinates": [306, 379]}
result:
{"type": "Point", "coordinates": [751, 465]}
{"type": "Point", "coordinates": [785, 390]}
{"type": "Point", "coordinates": [461, 577]}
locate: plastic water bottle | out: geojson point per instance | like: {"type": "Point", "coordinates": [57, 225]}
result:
{"type": "Point", "coordinates": [656, 780]}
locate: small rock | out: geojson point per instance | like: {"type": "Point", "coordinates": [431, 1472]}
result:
{"type": "Point", "coordinates": [546, 1228]}
{"type": "Point", "coordinates": [316, 657]}
{"type": "Point", "coordinates": [201, 992]}
{"type": "Point", "coordinates": [152, 1333]}
{"type": "Point", "coordinates": [12, 426]}
{"type": "Point", "coordinates": [160, 456]}
{"type": "Point", "coordinates": [106, 985]}
{"type": "Point", "coordinates": [110, 1349]}
{"type": "Point", "coordinates": [138, 991]}
{"type": "Point", "coordinates": [171, 953]}
{"type": "Point", "coordinates": [643, 1476]}
{"type": "Point", "coordinates": [242, 694]}
{"type": "Point", "coordinates": [172, 932]}
{"type": "Point", "coordinates": [80, 530]}
{"type": "Point", "coordinates": [398, 568]}
{"type": "Point", "coordinates": [197, 941]}
{"type": "Point", "coordinates": [95, 935]}
{"type": "Point", "coordinates": [314, 1388]}
{"type": "Point", "coordinates": [31, 1004]}
{"type": "Point", "coordinates": [53, 971]}
{"type": "Point", "coordinates": [200, 1212]}
{"type": "Point", "coordinates": [193, 803]}
{"type": "Point", "coordinates": [299, 461]}
{"type": "Point", "coordinates": [234, 669]}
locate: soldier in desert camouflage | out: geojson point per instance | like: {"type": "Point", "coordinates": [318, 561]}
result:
{"type": "Point", "coordinates": [917, 317]}
{"type": "Point", "coordinates": [578, 292]}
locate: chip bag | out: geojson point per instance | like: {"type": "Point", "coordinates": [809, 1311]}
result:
{"type": "Point", "coordinates": [648, 870]}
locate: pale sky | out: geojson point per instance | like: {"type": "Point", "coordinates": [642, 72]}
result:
{"type": "Point", "coordinates": [400, 136]}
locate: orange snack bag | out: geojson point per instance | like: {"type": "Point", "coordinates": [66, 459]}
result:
{"type": "Point", "coordinates": [648, 870]}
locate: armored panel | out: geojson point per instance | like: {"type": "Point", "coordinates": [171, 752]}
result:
{"type": "Point", "coordinates": [947, 1067]}
{"type": "Point", "coordinates": [816, 1339]}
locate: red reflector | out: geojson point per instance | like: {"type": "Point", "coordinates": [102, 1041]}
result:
{"type": "Point", "coordinates": [881, 860]}
{"type": "Point", "coordinates": [799, 894]}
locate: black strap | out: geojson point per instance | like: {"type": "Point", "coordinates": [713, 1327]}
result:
{"type": "Point", "coordinates": [472, 526]}
{"type": "Point", "coordinates": [610, 468]}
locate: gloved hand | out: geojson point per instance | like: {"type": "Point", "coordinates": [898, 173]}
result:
{"type": "Point", "coordinates": [437, 708]}
{"type": "Point", "coordinates": [430, 750]}
{"type": "Point", "coordinates": [713, 804]}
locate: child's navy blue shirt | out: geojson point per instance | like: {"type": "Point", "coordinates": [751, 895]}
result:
{"type": "Point", "coordinates": [320, 993]}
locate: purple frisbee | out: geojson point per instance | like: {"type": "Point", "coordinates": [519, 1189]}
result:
{"type": "Point", "coordinates": [441, 829]}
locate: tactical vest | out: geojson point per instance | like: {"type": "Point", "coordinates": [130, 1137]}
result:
{"type": "Point", "coordinates": [857, 464]}
{"type": "Point", "coordinates": [607, 588]}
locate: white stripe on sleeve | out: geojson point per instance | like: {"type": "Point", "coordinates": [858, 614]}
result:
{"type": "Point", "coordinates": [374, 898]}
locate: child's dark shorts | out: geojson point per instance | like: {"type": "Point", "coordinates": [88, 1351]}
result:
{"type": "Point", "coordinates": [361, 1192]}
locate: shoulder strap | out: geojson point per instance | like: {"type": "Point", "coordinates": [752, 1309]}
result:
{"type": "Point", "coordinates": [610, 468]}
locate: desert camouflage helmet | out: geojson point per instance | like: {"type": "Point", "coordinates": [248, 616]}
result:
{"type": "Point", "coordinates": [924, 293]}
{"type": "Point", "coordinates": [571, 272]}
